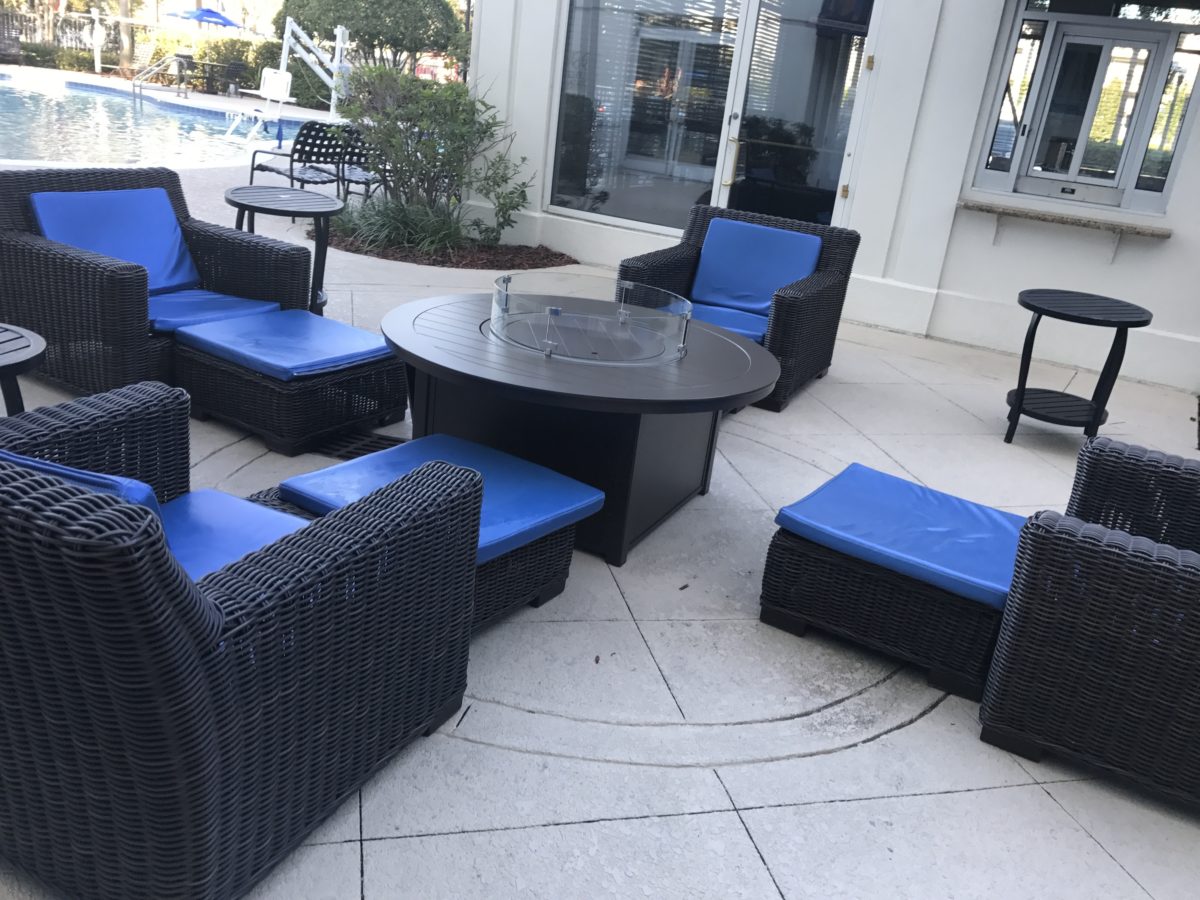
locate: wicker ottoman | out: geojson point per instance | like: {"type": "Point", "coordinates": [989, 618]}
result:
{"type": "Point", "coordinates": [292, 378]}
{"type": "Point", "coordinates": [914, 573]}
{"type": "Point", "coordinates": [527, 524]}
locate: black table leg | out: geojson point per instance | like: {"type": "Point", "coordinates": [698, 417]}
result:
{"type": "Point", "coordinates": [250, 222]}
{"type": "Point", "coordinates": [321, 241]}
{"type": "Point", "coordinates": [241, 216]}
{"type": "Point", "coordinates": [1108, 378]}
{"type": "Point", "coordinates": [1014, 414]}
{"type": "Point", "coordinates": [11, 390]}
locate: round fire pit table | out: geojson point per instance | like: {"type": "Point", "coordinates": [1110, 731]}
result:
{"type": "Point", "coordinates": [1059, 407]}
{"type": "Point", "coordinates": [281, 201]}
{"type": "Point", "coordinates": [645, 434]}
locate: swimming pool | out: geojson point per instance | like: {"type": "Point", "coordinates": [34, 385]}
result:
{"type": "Point", "coordinates": [61, 123]}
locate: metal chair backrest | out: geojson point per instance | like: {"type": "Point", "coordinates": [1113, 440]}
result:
{"type": "Point", "coordinates": [318, 143]}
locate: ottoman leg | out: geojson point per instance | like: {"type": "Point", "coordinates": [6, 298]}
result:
{"type": "Point", "coordinates": [1012, 743]}
{"type": "Point", "coordinates": [778, 618]}
{"type": "Point", "coordinates": [956, 683]}
{"type": "Point", "coordinates": [549, 592]}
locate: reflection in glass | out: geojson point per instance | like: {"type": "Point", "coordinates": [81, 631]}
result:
{"type": "Point", "coordinates": [1172, 107]}
{"type": "Point", "coordinates": [1147, 12]}
{"type": "Point", "coordinates": [806, 60]}
{"type": "Point", "coordinates": [1114, 112]}
{"type": "Point", "coordinates": [1068, 107]}
{"type": "Point", "coordinates": [642, 106]}
{"type": "Point", "coordinates": [1016, 92]}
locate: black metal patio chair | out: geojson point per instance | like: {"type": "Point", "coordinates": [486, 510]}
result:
{"type": "Point", "coordinates": [315, 156]}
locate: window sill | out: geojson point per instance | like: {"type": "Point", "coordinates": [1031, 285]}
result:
{"type": "Point", "coordinates": [1119, 228]}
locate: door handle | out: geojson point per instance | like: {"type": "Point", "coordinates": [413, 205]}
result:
{"type": "Point", "coordinates": [737, 150]}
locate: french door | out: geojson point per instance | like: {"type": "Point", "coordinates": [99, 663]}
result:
{"type": "Point", "coordinates": [789, 107]}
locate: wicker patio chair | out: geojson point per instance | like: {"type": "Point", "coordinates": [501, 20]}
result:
{"type": "Point", "coordinates": [1098, 657]}
{"type": "Point", "coordinates": [168, 738]}
{"type": "Point", "coordinates": [93, 310]}
{"type": "Point", "coordinates": [803, 322]}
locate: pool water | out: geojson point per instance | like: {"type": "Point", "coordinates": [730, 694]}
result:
{"type": "Point", "coordinates": [81, 125]}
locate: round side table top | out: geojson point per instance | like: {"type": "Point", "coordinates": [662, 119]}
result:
{"type": "Point", "coordinates": [450, 338]}
{"type": "Point", "coordinates": [282, 201]}
{"type": "Point", "coordinates": [20, 349]}
{"type": "Point", "coordinates": [1085, 309]}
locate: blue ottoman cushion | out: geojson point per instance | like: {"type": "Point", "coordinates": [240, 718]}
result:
{"type": "Point", "coordinates": [128, 489]}
{"type": "Point", "coordinates": [178, 309]}
{"type": "Point", "coordinates": [742, 265]}
{"type": "Point", "coordinates": [137, 226]}
{"type": "Point", "coordinates": [521, 501]}
{"type": "Point", "coordinates": [207, 530]}
{"type": "Point", "coordinates": [962, 547]}
{"type": "Point", "coordinates": [749, 325]}
{"type": "Point", "coordinates": [285, 345]}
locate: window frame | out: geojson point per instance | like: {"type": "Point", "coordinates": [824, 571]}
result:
{"type": "Point", "coordinates": [1122, 194]}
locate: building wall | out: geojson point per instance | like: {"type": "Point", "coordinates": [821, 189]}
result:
{"type": "Point", "coordinates": [924, 266]}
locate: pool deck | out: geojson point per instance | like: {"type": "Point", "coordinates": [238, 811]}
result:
{"type": "Point", "coordinates": [643, 735]}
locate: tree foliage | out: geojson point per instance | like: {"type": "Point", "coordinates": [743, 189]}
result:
{"type": "Point", "coordinates": [384, 31]}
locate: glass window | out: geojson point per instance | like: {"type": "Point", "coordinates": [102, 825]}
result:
{"type": "Point", "coordinates": [1016, 91]}
{"type": "Point", "coordinates": [1172, 107]}
{"type": "Point", "coordinates": [642, 106]}
{"type": "Point", "coordinates": [1093, 103]}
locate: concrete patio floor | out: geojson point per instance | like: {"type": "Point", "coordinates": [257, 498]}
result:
{"type": "Point", "coordinates": [643, 735]}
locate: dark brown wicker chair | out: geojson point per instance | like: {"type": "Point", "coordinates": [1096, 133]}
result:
{"type": "Point", "coordinates": [1098, 658]}
{"type": "Point", "coordinates": [93, 310]}
{"type": "Point", "coordinates": [803, 324]}
{"type": "Point", "coordinates": [163, 738]}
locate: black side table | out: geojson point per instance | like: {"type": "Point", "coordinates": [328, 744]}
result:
{"type": "Point", "coordinates": [1057, 407]}
{"type": "Point", "coordinates": [21, 351]}
{"type": "Point", "coordinates": [282, 201]}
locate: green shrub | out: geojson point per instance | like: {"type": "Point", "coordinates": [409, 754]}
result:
{"type": "Point", "coordinates": [433, 143]}
{"type": "Point", "coordinates": [231, 52]}
{"type": "Point", "coordinates": [43, 56]}
{"type": "Point", "coordinates": [383, 222]}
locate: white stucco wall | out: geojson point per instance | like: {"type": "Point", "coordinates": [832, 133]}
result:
{"type": "Point", "coordinates": [924, 266]}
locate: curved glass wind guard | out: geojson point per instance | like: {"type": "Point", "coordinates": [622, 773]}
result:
{"type": "Point", "coordinates": [584, 318]}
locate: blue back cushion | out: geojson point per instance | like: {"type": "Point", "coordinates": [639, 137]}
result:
{"type": "Point", "coordinates": [962, 547]}
{"type": "Point", "coordinates": [138, 226]}
{"type": "Point", "coordinates": [521, 501]}
{"type": "Point", "coordinates": [742, 265]}
{"type": "Point", "coordinates": [128, 489]}
{"type": "Point", "coordinates": [286, 345]}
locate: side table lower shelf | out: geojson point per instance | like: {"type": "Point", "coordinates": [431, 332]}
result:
{"type": "Point", "coordinates": [1057, 407]}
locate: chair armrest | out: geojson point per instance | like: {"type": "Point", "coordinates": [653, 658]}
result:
{"type": "Point", "coordinates": [671, 269]}
{"type": "Point", "coordinates": [248, 265]}
{"type": "Point", "coordinates": [91, 306]}
{"type": "Point", "coordinates": [1097, 641]}
{"type": "Point", "coordinates": [139, 431]}
{"type": "Point", "coordinates": [804, 311]}
{"type": "Point", "coordinates": [1141, 491]}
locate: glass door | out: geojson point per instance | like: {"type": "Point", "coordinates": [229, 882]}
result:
{"type": "Point", "coordinates": [790, 118]}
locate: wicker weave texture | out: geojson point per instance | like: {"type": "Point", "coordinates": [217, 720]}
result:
{"type": "Point", "coordinates": [527, 576]}
{"type": "Point", "coordinates": [93, 310]}
{"type": "Point", "coordinates": [1098, 657]}
{"type": "Point", "coordinates": [802, 327]}
{"type": "Point", "coordinates": [164, 739]}
{"type": "Point", "coordinates": [949, 636]}
{"type": "Point", "coordinates": [291, 416]}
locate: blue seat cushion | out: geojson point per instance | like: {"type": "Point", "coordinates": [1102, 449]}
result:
{"type": "Point", "coordinates": [287, 344]}
{"type": "Point", "coordinates": [521, 501]}
{"type": "Point", "coordinates": [962, 547]}
{"type": "Point", "coordinates": [748, 325]}
{"type": "Point", "coordinates": [207, 530]}
{"type": "Point", "coordinates": [128, 489]}
{"type": "Point", "coordinates": [742, 265]}
{"type": "Point", "coordinates": [179, 309]}
{"type": "Point", "coordinates": [138, 226]}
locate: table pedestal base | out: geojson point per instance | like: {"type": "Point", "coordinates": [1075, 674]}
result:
{"type": "Point", "coordinates": [648, 465]}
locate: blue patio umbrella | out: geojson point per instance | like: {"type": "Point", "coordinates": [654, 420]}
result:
{"type": "Point", "coordinates": [207, 16]}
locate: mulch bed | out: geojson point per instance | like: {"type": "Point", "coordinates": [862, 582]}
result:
{"type": "Point", "coordinates": [478, 256]}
